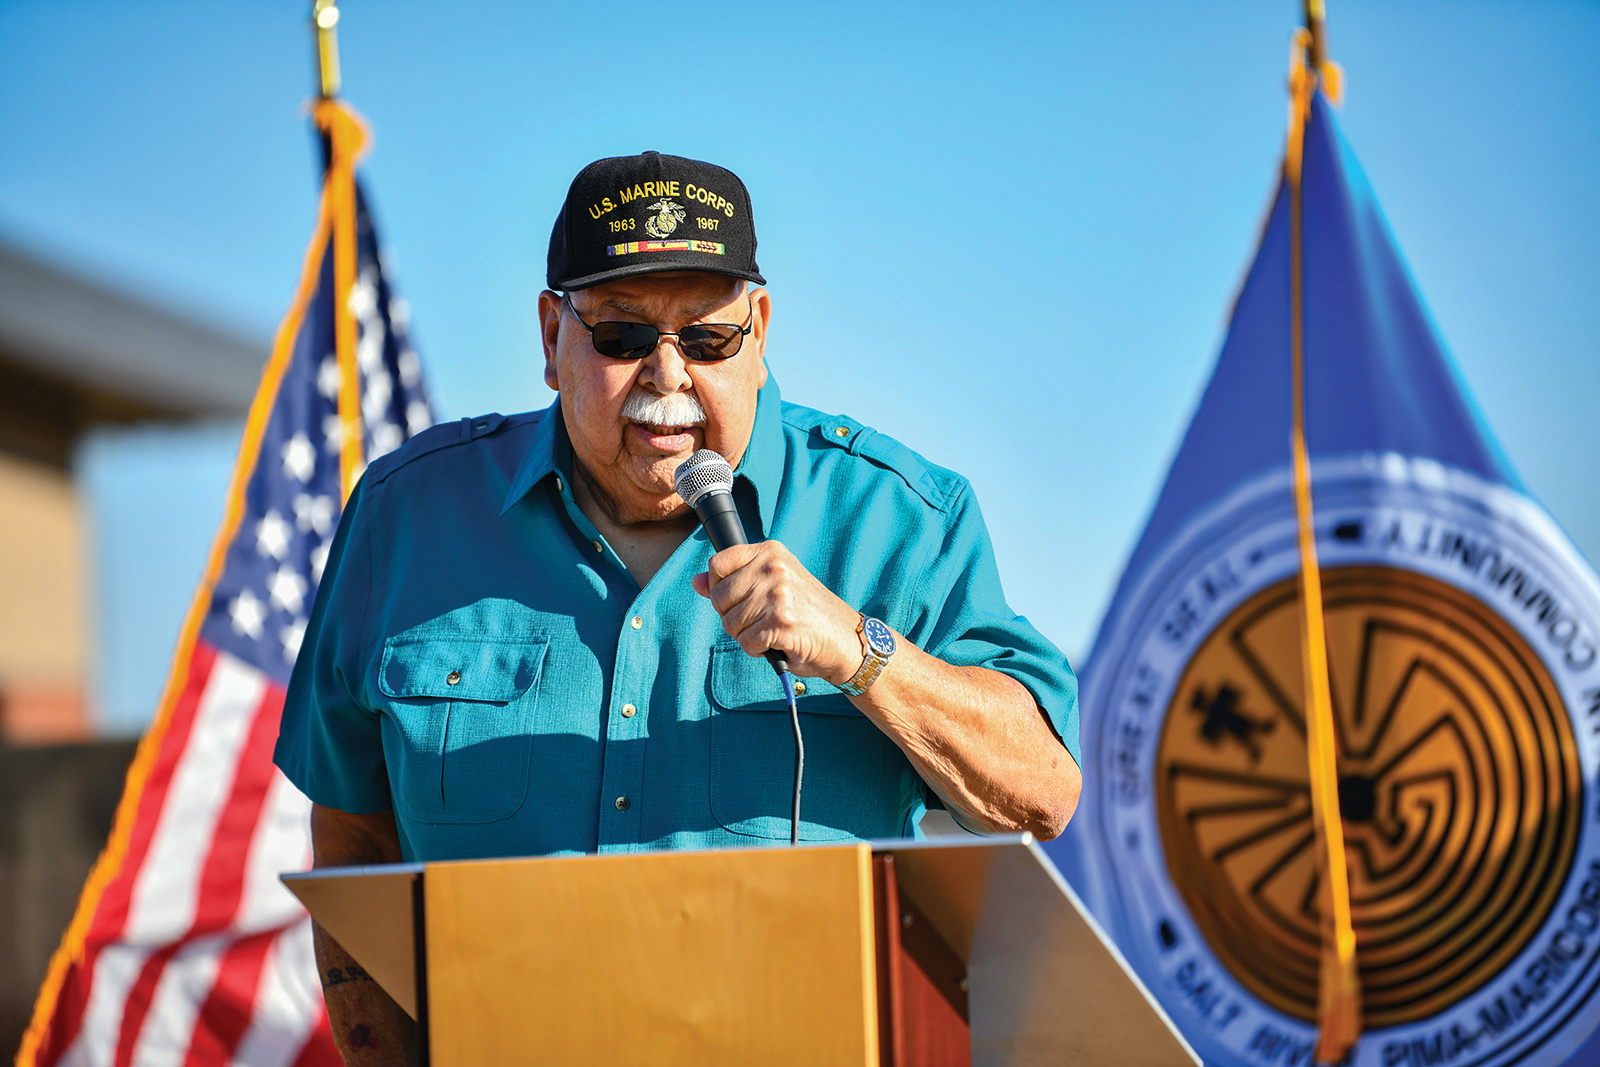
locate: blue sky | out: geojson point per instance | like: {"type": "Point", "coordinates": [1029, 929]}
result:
{"type": "Point", "coordinates": [1007, 234]}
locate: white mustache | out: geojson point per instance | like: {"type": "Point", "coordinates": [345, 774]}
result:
{"type": "Point", "coordinates": [674, 409]}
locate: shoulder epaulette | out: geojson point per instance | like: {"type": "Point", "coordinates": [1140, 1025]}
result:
{"type": "Point", "coordinates": [939, 487]}
{"type": "Point", "coordinates": [445, 435]}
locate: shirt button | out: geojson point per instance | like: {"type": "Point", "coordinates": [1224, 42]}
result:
{"type": "Point", "coordinates": [843, 431]}
{"type": "Point", "coordinates": [452, 678]}
{"type": "Point", "coordinates": [628, 711]}
{"type": "Point", "coordinates": [559, 486]}
{"type": "Point", "coordinates": [637, 622]}
{"type": "Point", "coordinates": [622, 803]}
{"type": "Point", "coordinates": [598, 547]}
{"type": "Point", "coordinates": [799, 689]}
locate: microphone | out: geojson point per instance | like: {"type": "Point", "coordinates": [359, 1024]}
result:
{"type": "Point", "coordinates": [705, 481]}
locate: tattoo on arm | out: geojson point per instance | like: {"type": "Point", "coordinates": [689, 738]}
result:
{"type": "Point", "coordinates": [361, 1036]}
{"type": "Point", "coordinates": [341, 975]}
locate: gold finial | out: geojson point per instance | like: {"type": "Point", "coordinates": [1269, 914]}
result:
{"type": "Point", "coordinates": [1327, 71]}
{"type": "Point", "coordinates": [324, 22]}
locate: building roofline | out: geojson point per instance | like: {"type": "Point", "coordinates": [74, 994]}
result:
{"type": "Point", "coordinates": [67, 327]}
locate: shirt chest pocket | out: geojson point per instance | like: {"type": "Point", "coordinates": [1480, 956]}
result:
{"type": "Point", "coordinates": [857, 782]}
{"type": "Point", "coordinates": [462, 714]}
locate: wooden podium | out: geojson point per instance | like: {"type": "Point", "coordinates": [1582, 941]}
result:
{"type": "Point", "coordinates": [895, 954]}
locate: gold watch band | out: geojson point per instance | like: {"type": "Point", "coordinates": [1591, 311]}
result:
{"type": "Point", "coordinates": [872, 663]}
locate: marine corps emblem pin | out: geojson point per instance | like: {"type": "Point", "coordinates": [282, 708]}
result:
{"type": "Point", "coordinates": [666, 218]}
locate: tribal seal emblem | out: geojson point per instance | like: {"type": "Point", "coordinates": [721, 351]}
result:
{"type": "Point", "coordinates": [666, 218]}
{"type": "Point", "coordinates": [1463, 638]}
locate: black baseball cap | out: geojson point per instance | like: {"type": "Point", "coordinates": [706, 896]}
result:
{"type": "Point", "coordinates": [632, 215]}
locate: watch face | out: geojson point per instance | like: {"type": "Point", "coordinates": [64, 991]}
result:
{"type": "Point", "coordinates": [879, 637]}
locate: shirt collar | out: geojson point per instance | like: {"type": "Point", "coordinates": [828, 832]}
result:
{"type": "Point", "coordinates": [762, 465]}
{"type": "Point", "coordinates": [550, 451]}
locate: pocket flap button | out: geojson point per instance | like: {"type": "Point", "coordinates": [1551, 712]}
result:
{"type": "Point", "coordinates": [453, 678]}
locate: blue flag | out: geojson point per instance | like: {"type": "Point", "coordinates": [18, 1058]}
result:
{"type": "Point", "coordinates": [1464, 648]}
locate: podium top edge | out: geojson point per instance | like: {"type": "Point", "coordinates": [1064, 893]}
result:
{"type": "Point", "coordinates": [368, 870]}
{"type": "Point", "coordinates": [878, 845]}
{"type": "Point", "coordinates": [905, 844]}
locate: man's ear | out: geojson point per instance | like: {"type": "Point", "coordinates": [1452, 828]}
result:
{"type": "Point", "coordinates": [760, 319]}
{"type": "Point", "coordinates": [550, 332]}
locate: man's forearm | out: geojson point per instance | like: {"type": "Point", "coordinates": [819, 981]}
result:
{"type": "Point", "coordinates": [975, 735]}
{"type": "Point", "coordinates": [369, 1028]}
{"type": "Point", "coordinates": [979, 739]}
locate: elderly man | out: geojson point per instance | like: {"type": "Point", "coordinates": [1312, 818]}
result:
{"type": "Point", "coordinates": [524, 643]}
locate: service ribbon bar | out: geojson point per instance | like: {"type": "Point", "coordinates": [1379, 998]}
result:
{"type": "Point", "coordinates": [714, 248]}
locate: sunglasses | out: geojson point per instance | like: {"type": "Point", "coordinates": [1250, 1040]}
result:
{"type": "Point", "coordinates": [704, 342]}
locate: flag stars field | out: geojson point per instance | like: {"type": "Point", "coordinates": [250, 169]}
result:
{"type": "Point", "coordinates": [288, 590]}
{"type": "Point", "coordinates": [332, 434]}
{"type": "Point", "coordinates": [291, 636]}
{"type": "Point", "coordinates": [248, 614]}
{"type": "Point", "coordinates": [391, 375]}
{"type": "Point", "coordinates": [272, 535]}
{"type": "Point", "coordinates": [328, 376]}
{"type": "Point", "coordinates": [314, 513]}
{"type": "Point", "coordinates": [299, 458]}
{"type": "Point", "coordinates": [319, 561]}
{"type": "Point", "coordinates": [363, 301]}
{"type": "Point", "coordinates": [418, 417]}
{"type": "Point", "coordinates": [377, 395]}
{"type": "Point", "coordinates": [410, 369]}
{"type": "Point", "coordinates": [386, 437]}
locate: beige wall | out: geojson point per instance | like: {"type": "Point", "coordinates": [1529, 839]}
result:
{"type": "Point", "coordinates": [44, 629]}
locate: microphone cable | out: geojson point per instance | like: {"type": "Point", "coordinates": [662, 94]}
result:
{"type": "Point", "coordinates": [705, 482]}
{"type": "Point", "coordinates": [799, 755]}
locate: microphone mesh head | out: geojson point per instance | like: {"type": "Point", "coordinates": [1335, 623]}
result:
{"type": "Point", "coordinates": [702, 473]}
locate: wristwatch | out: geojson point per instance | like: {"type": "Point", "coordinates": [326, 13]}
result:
{"type": "Point", "coordinates": [877, 643]}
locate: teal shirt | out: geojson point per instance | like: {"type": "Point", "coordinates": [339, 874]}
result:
{"type": "Point", "coordinates": [481, 661]}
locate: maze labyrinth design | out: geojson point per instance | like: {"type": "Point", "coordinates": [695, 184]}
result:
{"type": "Point", "coordinates": [1459, 787]}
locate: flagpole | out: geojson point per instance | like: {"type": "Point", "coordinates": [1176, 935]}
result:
{"type": "Point", "coordinates": [1316, 46]}
{"type": "Point", "coordinates": [1338, 985]}
{"type": "Point", "coordinates": [325, 22]}
{"type": "Point", "coordinates": [345, 140]}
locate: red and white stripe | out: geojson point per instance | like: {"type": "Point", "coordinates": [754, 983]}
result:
{"type": "Point", "coordinates": [195, 954]}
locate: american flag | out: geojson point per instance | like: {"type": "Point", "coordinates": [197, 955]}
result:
{"type": "Point", "coordinates": [186, 949]}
